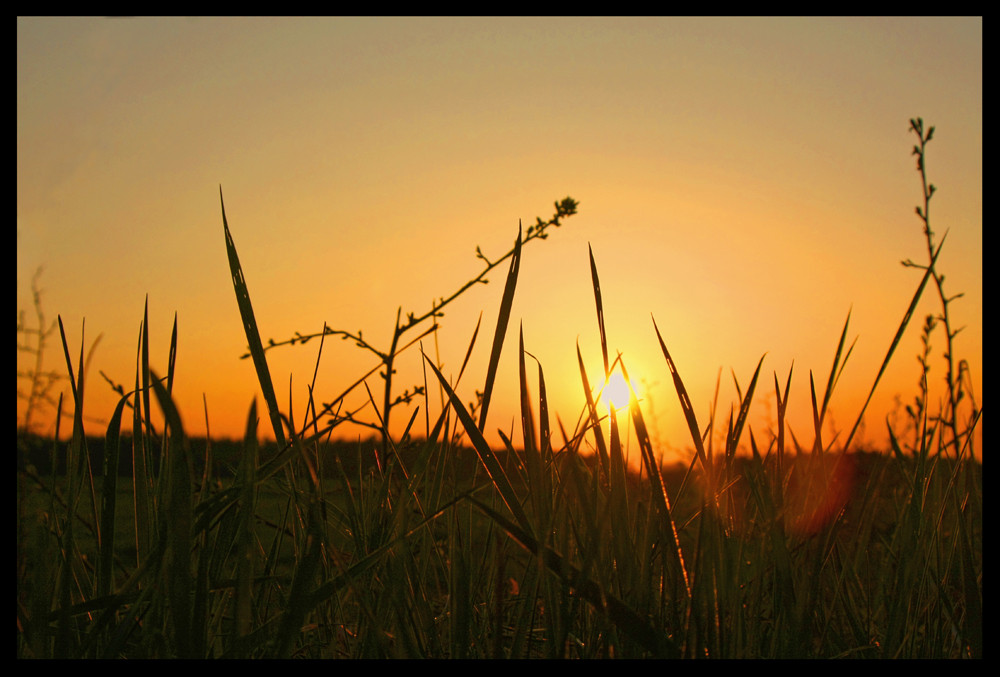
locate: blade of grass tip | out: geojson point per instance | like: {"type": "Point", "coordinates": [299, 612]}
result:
{"type": "Point", "coordinates": [710, 428]}
{"type": "Point", "coordinates": [782, 407]}
{"type": "Point", "coordinates": [501, 331]}
{"type": "Point", "coordinates": [527, 415]}
{"type": "Point", "coordinates": [896, 339]}
{"type": "Point", "coordinates": [835, 372]}
{"type": "Point", "coordinates": [685, 401]}
{"type": "Point", "coordinates": [69, 360]}
{"type": "Point", "coordinates": [468, 351]}
{"type": "Point", "coordinates": [600, 310]}
{"type": "Point", "coordinates": [819, 411]}
{"type": "Point", "coordinates": [817, 420]}
{"type": "Point", "coordinates": [179, 524]}
{"type": "Point", "coordinates": [489, 459]}
{"type": "Point", "coordinates": [250, 328]}
{"type": "Point", "coordinates": [544, 428]}
{"type": "Point", "coordinates": [736, 382]}
{"type": "Point", "coordinates": [741, 418]}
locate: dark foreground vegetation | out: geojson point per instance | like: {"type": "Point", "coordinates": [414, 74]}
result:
{"type": "Point", "coordinates": [450, 547]}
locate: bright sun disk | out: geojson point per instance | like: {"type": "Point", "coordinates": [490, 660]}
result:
{"type": "Point", "coordinates": [616, 392]}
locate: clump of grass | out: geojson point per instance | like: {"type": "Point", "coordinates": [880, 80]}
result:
{"type": "Point", "coordinates": [450, 547]}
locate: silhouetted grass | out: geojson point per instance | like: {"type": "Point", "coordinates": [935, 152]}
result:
{"type": "Point", "coordinates": [450, 547]}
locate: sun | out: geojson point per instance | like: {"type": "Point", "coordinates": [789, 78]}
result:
{"type": "Point", "coordinates": [616, 392]}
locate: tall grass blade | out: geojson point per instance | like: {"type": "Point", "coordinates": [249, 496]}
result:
{"type": "Point", "coordinates": [180, 536]}
{"type": "Point", "coordinates": [141, 462]}
{"type": "Point", "coordinates": [744, 411]}
{"type": "Point", "coordinates": [489, 459]}
{"type": "Point", "coordinates": [502, 320]}
{"type": "Point", "coordinates": [527, 415]}
{"type": "Point", "coordinates": [600, 311]}
{"type": "Point", "coordinates": [659, 488]}
{"type": "Point", "coordinates": [109, 500]}
{"type": "Point", "coordinates": [896, 339]}
{"type": "Point", "coordinates": [250, 328]}
{"type": "Point", "coordinates": [685, 401]}
{"type": "Point", "coordinates": [76, 451]}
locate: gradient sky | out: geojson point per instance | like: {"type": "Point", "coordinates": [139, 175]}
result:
{"type": "Point", "coordinates": [747, 182]}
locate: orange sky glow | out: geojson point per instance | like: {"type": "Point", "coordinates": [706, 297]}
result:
{"type": "Point", "coordinates": [746, 183]}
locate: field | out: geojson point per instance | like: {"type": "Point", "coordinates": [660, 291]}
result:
{"type": "Point", "coordinates": [447, 547]}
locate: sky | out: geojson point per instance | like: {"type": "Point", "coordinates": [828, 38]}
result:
{"type": "Point", "coordinates": [745, 183]}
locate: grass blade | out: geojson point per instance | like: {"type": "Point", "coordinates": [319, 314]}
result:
{"type": "Point", "coordinates": [489, 459]}
{"type": "Point", "coordinates": [682, 394]}
{"type": "Point", "coordinates": [250, 328]}
{"type": "Point", "coordinates": [109, 500]}
{"type": "Point", "coordinates": [896, 339]}
{"type": "Point", "coordinates": [179, 525]}
{"type": "Point", "coordinates": [600, 310]}
{"type": "Point", "coordinates": [659, 488]}
{"type": "Point", "coordinates": [502, 320]}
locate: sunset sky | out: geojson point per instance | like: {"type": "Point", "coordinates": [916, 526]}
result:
{"type": "Point", "coordinates": [745, 182]}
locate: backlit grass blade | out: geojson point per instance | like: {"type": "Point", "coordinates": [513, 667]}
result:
{"type": "Point", "coordinates": [141, 461]}
{"type": "Point", "coordinates": [659, 488]}
{"type": "Point", "coordinates": [741, 418]}
{"type": "Point", "coordinates": [527, 415]}
{"type": "Point", "coordinates": [535, 455]}
{"type": "Point", "coordinates": [600, 310]}
{"type": "Point", "coordinates": [76, 450]}
{"type": "Point", "coordinates": [179, 525]}
{"type": "Point", "coordinates": [250, 328]}
{"type": "Point", "coordinates": [782, 405]}
{"type": "Point", "coordinates": [501, 331]}
{"type": "Point", "coordinates": [685, 401]}
{"type": "Point", "coordinates": [109, 499]}
{"type": "Point", "coordinates": [544, 427]}
{"type": "Point", "coordinates": [896, 339]}
{"type": "Point", "coordinates": [489, 459]}
{"type": "Point", "coordinates": [819, 410]}
{"type": "Point", "coordinates": [834, 370]}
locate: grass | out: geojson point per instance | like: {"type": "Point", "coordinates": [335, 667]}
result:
{"type": "Point", "coordinates": [450, 547]}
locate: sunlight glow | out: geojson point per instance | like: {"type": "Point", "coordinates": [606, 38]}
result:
{"type": "Point", "coordinates": [616, 392]}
